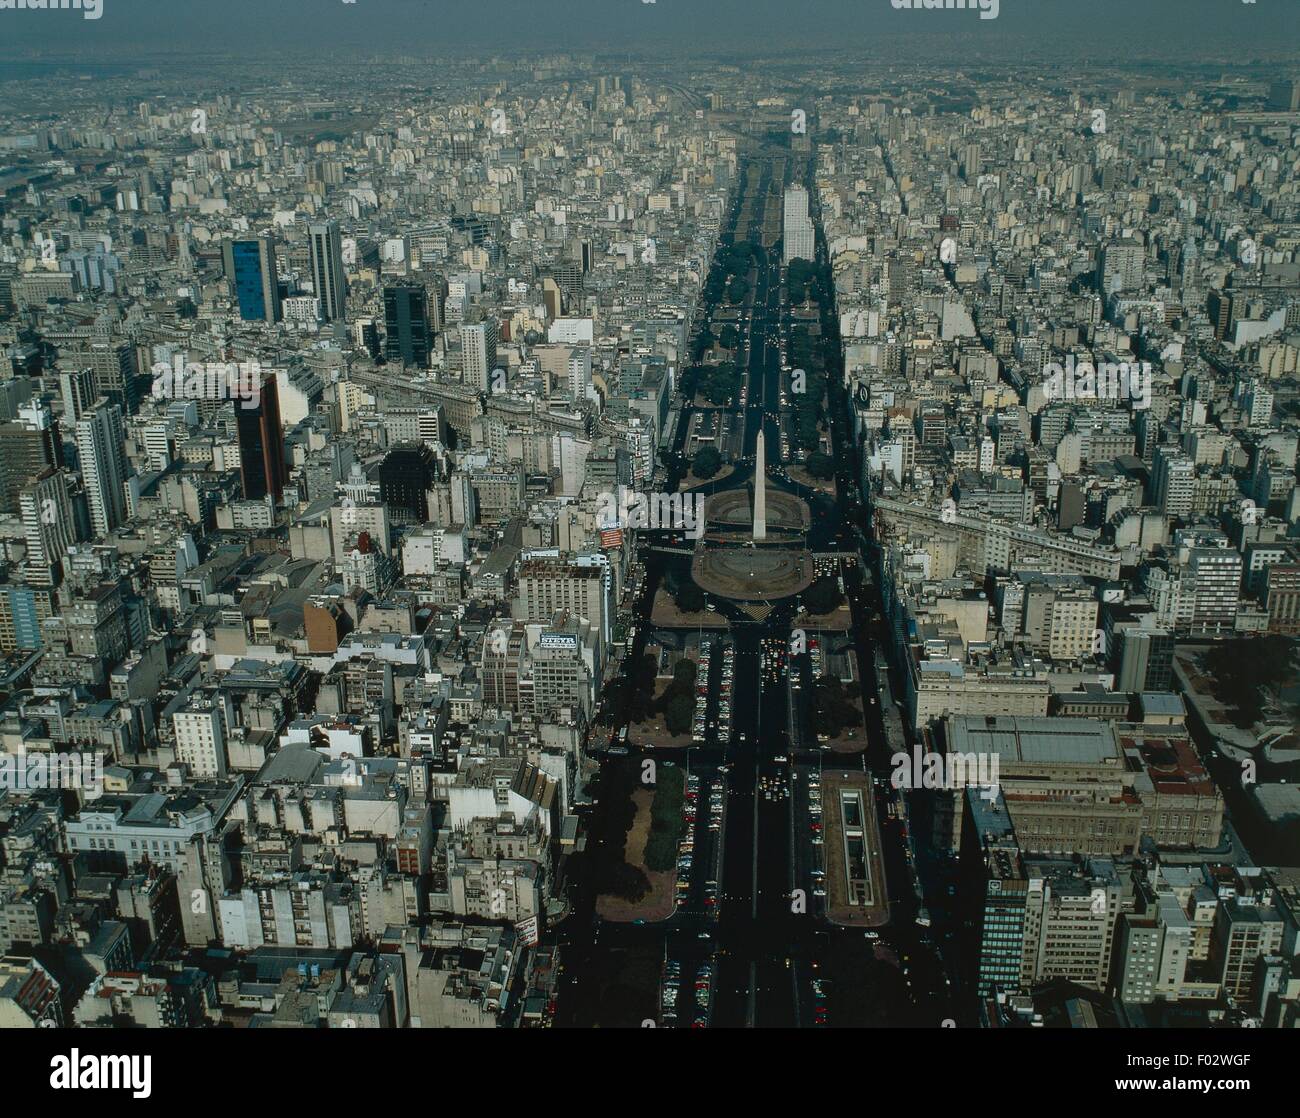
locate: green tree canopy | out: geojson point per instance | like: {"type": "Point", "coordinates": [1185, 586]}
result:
{"type": "Point", "coordinates": [678, 714]}
{"type": "Point", "coordinates": [707, 462]}
{"type": "Point", "coordinates": [823, 595]}
{"type": "Point", "coordinates": [689, 598]}
{"type": "Point", "coordinates": [821, 465]}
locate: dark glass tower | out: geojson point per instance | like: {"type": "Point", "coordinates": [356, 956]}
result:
{"type": "Point", "coordinates": [261, 444]}
{"type": "Point", "coordinates": [406, 324]}
{"type": "Point", "coordinates": [406, 475]}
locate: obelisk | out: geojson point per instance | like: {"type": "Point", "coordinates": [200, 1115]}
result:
{"type": "Point", "coordinates": [760, 489]}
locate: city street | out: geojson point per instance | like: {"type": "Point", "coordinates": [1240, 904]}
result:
{"type": "Point", "coordinates": [772, 947]}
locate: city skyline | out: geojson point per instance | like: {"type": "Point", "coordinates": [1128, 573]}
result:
{"type": "Point", "coordinates": [693, 516]}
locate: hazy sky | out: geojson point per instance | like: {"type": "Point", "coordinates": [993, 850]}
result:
{"type": "Point", "coordinates": [690, 25]}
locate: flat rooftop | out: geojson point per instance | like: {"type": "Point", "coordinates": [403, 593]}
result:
{"type": "Point", "coordinates": [1068, 741]}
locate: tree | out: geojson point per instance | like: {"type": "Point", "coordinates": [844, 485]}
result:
{"type": "Point", "coordinates": [719, 389]}
{"type": "Point", "coordinates": [678, 714]}
{"type": "Point", "coordinates": [685, 672]}
{"type": "Point", "coordinates": [730, 336]}
{"type": "Point", "coordinates": [821, 465]}
{"type": "Point", "coordinates": [627, 882]}
{"type": "Point", "coordinates": [1247, 673]}
{"type": "Point", "coordinates": [822, 596]}
{"type": "Point", "coordinates": [689, 598]}
{"type": "Point", "coordinates": [631, 694]}
{"type": "Point", "coordinates": [797, 277]}
{"type": "Point", "coordinates": [707, 462]}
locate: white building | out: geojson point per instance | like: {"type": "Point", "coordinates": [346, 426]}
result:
{"type": "Point", "coordinates": [797, 228]}
{"type": "Point", "coordinates": [201, 740]}
{"type": "Point", "coordinates": [478, 354]}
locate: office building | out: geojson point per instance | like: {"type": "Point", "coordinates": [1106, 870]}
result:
{"type": "Point", "coordinates": [408, 333]}
{"type": "Point", "coordinates": [101, 451]}
{"type": "Point", "coordinates": [327, 275]}
{"type": "Point", "coordinates": [479, 354]}
{"type": "Point", "coordinates": [406, 475]}
{"type": "Point", "coordinates": [201, 740]}
{"type": "Point", "coordinates": [250, 269]}
{"type": "Point", "coordinates": [797, 226]}
{"type": "Point", "coordinates": [261, 444]}
{"type": "Point", "coordinates": [48, 525]}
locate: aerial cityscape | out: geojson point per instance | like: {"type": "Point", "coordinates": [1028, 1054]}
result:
{"type": "Point", "coordinates": [650, 521]}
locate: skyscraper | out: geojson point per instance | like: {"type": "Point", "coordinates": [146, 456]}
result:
{"type": "Point", "coordinates": [478, 353]}
{"type": "Point", "coordinates": [261, 444]}
{"type": "Point", "coordinates": [77, 386]}
{"type": "Point", "coordinates": [327, 275]}
{"type": "Point", "coordinates": [406, 324]}
{"type": "Point", "coordinates": [1284, 96]}
{"type": "Point", "coordinates": [100, 447]}
{"type": "Point", "coordinates": [406, 475]}
{"type": "Point", "coordinates": [250, 268]}
{"type": "Point", "coordinates": [27, 446]}
{"type": "Point", "coordinates": [48, 525]}
{"type": "Point", "coordinates": [797, 228]}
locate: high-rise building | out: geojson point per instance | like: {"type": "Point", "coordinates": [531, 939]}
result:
{"type": "Point", "coordinates": [22, 611]}
{"type": "Point", "coordinates": [1144, 658]}
{"type": "Point", "coordinates": [250, 268]}
{"type": "Point", "coordinates": [549, 584]}
{"type": "Point", "coordinates": [408, 334]}
{"type": "Point", "coordinates": [1282, 598]}
{"type": "Point", "coordinates": [48, 525]}
{"type": "Point", "coordinates": [1072, 912]}
{"type": "Point", "coordinates": [1242, 934]}
{"type": "Point", "coordinates": [114, 369]}
{"type": "Point", "coordinates": [365, 333]}
{"type": "Point", "coordinates": [478, 353]}
{"type": "Point", "coordinates": [406, 475]}
{"type": "Point", "coordinates": [1122, 265]}
{"type": "Point", "coordinates": [1223, 310]}
{"type": "Point", "coordinates": [1284, 96]}
{"type": "Point", "coordinates": [77, 387]}
{"type": "Point", "coordinates": [327, 274]}
{"type": "Point", "coordinates": [201, 740]}
{"type": "Point", "coordinates": [797, 227]}
{"type": "Point", "coordinates": [1174, 481]}
{"type": "Point", "coordinates": [261, 444]}
{"type": "Point", "coordinates": [1214, 568]}
{"type": "Point", "coordinates": [1152, 951]}
{"type": "Point", "coordinates": [101, 443]}
{"type": "Point", "coordinates": [992, 866]}
{"type": "Point", "coordinates": [28, 446]}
